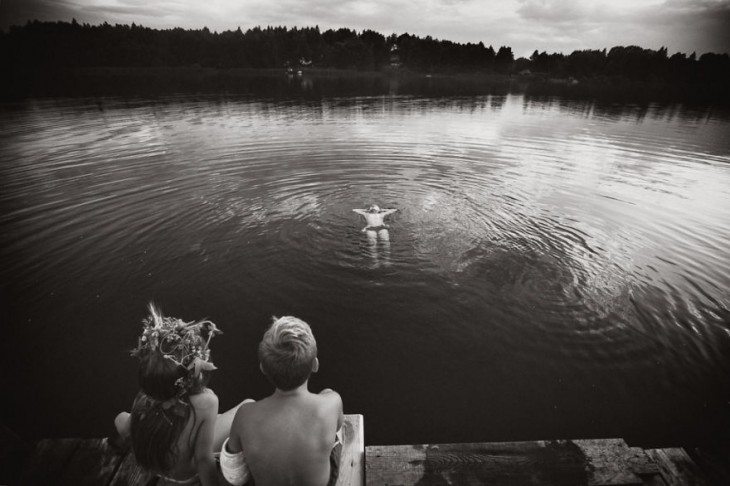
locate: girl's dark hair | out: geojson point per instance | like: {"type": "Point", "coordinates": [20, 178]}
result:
{"type": "Point", "coordinates": [157, 420]}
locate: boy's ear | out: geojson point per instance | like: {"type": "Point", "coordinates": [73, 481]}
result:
{"type": "Point", "coordinates": [315, 365]}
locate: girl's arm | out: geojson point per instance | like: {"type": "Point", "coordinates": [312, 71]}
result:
{"type": "Point", "coordinates": [389, 211]}
{"type": "Point", "coordinates": [360, 211]}
{"type": "Point", "coordinates": [206, 410]}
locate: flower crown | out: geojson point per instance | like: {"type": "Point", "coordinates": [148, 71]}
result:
{"type": "Point", "coordinates": [184, 343]}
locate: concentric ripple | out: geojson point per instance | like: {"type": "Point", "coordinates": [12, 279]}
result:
{"type": "Point", "coordinates": [536, 244]}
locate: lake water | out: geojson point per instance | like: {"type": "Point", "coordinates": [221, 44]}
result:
{"type": "Point", "coordinates": [556, 270]}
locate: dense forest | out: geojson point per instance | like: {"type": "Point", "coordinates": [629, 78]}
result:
{"type": "Point", "coordinates": [72, 44]}
{"type": "Point", "coordinates": [63, 45]}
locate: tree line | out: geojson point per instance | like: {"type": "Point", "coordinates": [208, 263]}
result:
{"type": "Point", "coordinates": [635, 62]}
{"type": "Point", "coordinates": [75, 45]}
{"type": "Point", "coordinates": [71, 44]}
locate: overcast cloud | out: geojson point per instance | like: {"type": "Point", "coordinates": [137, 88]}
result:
{"type": "Point", "coordinates": [525, 25]}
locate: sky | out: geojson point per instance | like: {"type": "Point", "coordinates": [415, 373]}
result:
{"type": "Point", "coordinates": [524, 25]}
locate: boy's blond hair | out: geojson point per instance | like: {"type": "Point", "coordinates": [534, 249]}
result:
{"type": "Point", "coordinates": [287, 352]}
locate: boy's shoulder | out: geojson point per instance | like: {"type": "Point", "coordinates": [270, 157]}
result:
{"type": "Point", "coordinates": [329, 394]}
{"type": "Point", "coordinates": [329, 401]}
{"type": "Point", "coordinates": [325, 401]}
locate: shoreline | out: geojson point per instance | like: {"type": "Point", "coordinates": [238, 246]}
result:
{"type": "Point", "coordinates": [26, 83]}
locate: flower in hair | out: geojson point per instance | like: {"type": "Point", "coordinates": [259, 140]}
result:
{"type": "Point", "coordinates": [184, 343]}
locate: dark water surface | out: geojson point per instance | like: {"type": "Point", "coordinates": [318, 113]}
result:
{"type": "Point", "coordinates": [556, 270]}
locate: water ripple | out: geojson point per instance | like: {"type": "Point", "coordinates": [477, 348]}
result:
{"type": "Point", "coordinates": [560, 242]}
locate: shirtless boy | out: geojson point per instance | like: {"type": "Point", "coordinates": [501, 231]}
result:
{"type": "Point", "coordinates": [287, 438]}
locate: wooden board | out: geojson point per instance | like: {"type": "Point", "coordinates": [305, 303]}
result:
{"type": "Point", "coordinates": [677, 467]}
{"type": "Point", "coordinates": [48, 460]}
{"type": "Point", "coordinates": [94, 462]}
{"type": "Point", "coordinates": [612, 461]}
{"type": "Point", "coordinates": [130, 474]}
{"type": "Point", "coordinates": [14, 453]}
{"type": "Point", "coordinates": [516, 463]}
{"type": "Point", "coordinates": [714, 461]}
{"type": "Point", "coordinates": [569, 463]}
{"type": "Point", "coordinates": [352, 461]}
{"type": "Point", "coordinates": [71, 462]}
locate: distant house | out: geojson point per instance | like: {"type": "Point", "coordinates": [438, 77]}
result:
{"type": "Point", "coordinates": [394, 57]}
{"type": "Point", "coordinates": [291, 70]}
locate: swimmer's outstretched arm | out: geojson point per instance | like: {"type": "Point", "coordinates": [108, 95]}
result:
{"type": "Point", "coordinates": [360, 211]}
{"type": "Point", "coordinates": [386, 212]}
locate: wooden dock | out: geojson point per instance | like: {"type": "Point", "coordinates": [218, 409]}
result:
{"type": "Point", "coordinates": [605, 462]}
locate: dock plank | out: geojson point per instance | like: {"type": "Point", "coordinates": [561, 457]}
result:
{"type": "Point", "coordinates": [501, 463]}
{"type": "Point", "coordinates": [71, 462]}
{"type": "Point", "coordinates": [48, 461]}
{"type": "Point", "coordinates": [612, 461]}
{"type": "Point", "coordinates": [677, 467]}
{"type": "Point", "coordinates": [352, 461]}
{"type": "Point", "coordinates": [14, 452]}
{"type": "Point", "coordinates": [130, 473]}
{"type": "Point", "coordinates": [602, 462]}
{"type": "Point", "coordinates": [714, 461]}
{"type": "Point", "coordinates": [94, 462]}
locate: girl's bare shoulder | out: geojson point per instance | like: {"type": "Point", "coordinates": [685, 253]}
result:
{"type": "Point", "coordinates": [207, 399]}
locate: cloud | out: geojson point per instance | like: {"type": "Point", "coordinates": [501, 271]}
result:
{"type": "Point", "coordinates": [554, 11]}
{"type": "Point", "coordinates": [567, 25]}
{"type": "Point", "coordinates": [705, 22]}
{"type": "Point", "coordinates": [18, 12]}
{"type": "Point", "coordinates": [123, 10]}
{"type": "Point", "coordinates": [524, 25]}
{"type": "Point", "coordinates": [679, 25]}
{"type": "Point", "coordinates": [383, 15]}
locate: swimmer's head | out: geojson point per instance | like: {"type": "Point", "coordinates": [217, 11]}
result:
{"type": "Point", "coordinates": [374, 209]}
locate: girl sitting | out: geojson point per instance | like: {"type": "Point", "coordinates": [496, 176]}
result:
{"type": "Point", "coordinates": [174, 425]}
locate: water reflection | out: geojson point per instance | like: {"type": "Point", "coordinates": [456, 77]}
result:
{"type": "Point", "coordinates": [541, 247]}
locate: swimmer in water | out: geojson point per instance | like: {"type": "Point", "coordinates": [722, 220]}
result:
{"type": "Point", "coordinates": [376, 230]}
{"type": "Point", "coordinates": [374, 217]}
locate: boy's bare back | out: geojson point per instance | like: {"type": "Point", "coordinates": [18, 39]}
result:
{"type": "Point", "coordinates": [287, 437]}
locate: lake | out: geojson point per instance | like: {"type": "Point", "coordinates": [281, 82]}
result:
{"type": "Point", "coordinates": [556, 269]}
